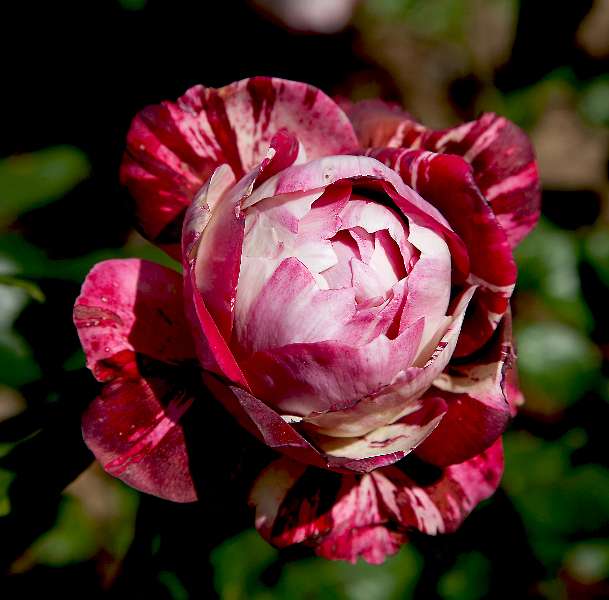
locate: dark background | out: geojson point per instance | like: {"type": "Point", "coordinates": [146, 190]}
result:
{"type": "Point", "coordinates": [74, 74]}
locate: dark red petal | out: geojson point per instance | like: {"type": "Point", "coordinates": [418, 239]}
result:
{"type": "Point", "coordinates": [133, 429]}
{"type": "Point", "coordinates": [478, 410]}
{"type": "Point", "coordinates": [346, 517]}
{"type": "Point", "coordinates": [131, 324]}
{"type": "Point", "coordinates": [172, 148]}
{"type": "Point", "coordinates": [447, 182]}
{"type": "Point", "coordinates": [500, 153]}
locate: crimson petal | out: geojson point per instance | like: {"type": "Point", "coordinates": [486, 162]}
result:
{"type": "Point", "coordinates": [346, 517]}
{"type": "Point", "coordinates": [447, 182]}
{"type": "Point", "coordinates": [478, 403]}
{"type": "Point", "coordinates": [500, 153]}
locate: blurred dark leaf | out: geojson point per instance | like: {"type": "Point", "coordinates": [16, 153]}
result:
{"type": "Point", "coordinates": [31, 180]}
{"type": "Point", "coordinates": [548, 271]}
{"type": "Point", "coordinates": [556, 500]}
{"type": "Point", "coordinates": [557, 365]}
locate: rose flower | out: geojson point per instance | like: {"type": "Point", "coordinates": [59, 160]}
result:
{"type": "Point", "coordinates": [345, 296]}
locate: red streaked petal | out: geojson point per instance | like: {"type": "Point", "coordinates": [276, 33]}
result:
{"type": "Point", "coordinates": [447, 182]}
{"type": "Point", "coordinates": [394, 400]}
{"type": "Point", "coordinates": [346, 517]}
{"type": "Point", "coordinates": [134, 430]}
{"type": "Point", "coordinates": [130, 320]}
{"type": "Point", "coordinates": [173, 147]}
{"type": "Point", "coordinates": [500, 153]}
{"type": "Point", "coordinates": [301, 379]}
{"type": "Point", "coordinates": [478, 410]}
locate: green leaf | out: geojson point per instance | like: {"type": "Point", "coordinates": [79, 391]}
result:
{"type": "Point", "coordinates": [596, 252]}
{"type": "Point", "coordinates": [29, 286]}
{"type": "Point", "coordinates": [557, 365]}
{"type": "Point", "coordinates": [556, 500]}
{"type": "Point", "coordinates": [31, 180]}
{"type": "Point", "coordinates": [548, 271]}
{"type": "Point", "coordinates": [467, 580]}
{"type": "Point", "coordinates": [17, 365]}
{"type": "Point", "coordinates": [310, 577]}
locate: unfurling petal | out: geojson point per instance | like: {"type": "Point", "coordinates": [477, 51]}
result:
{"type": "Point", "coordinates": [346, 517]}
{"type": "Point", "coordinates": [131, 324]}
{"type": "Point", "coordinates": [500, 153]}
{"type": "Point", "coordinates": [173, 147]}
{"type": "Point", "coordinates": [478, 408]}
{"type": "Point", "coordinates": [447, 182]}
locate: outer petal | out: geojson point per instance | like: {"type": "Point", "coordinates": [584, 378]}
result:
{"type": "Point", "coordinates": [347, 517]}
{"type": "Point", "coordinates": [447, 182]}
{"type": "Point", "coordinates": [172, 148]}
{"type": "Point", "coordinates": [500, 153]}
{"type": "Point", "coordinates": [130, 321]}
{"type": "Point", "coordinates": [478, 410]}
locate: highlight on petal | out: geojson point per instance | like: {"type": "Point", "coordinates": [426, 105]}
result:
{"type": "Point", "coordinates": [130, 320]}
{"type": "Point", "coordinates": [500, 153]}
{"type": "Point", "coordinates": [173, 147]}
{"type": "Point", "coordinates": [346, 517]}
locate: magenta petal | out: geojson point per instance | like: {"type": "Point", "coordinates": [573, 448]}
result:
{"type": "Point", "coordinates": [504, 166]}
{"type": "Point", "coordinates": [211, 348]}
{"type": "Point", "coordinates": [300, 379]}
{"type": "Point", "coordinates": [345, 517]}
{"type": "Point", "coordinates": [129, 315]}
{"type": "Point", "coordinates": [263, 422]}
{"type": "Point", "coordinates": [478, 409]}
{"type": "Point", "coordinates": [172, 148]}
{"type": "Point", "coordinates": [133, 429]}
{"type": "Point", "coordinates": [131, 305]}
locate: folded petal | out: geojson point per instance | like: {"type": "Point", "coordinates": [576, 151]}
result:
{"type": "Point", "coordinates": [500, 153]}
{"type": "Point", "coordinates": [305, 379]}
{"type": "Point", "coordinates": [131, 324]}
{"type": "Point", "coordinates": [478, 409]}
{"type": "Point", "coordinates": [134, 430]}
{"type": "Point", "coordinates": [346, 517]}
{"type": "Point", "coordinates": [447, 182]}
{"type": "Point", "coordinates": [284, 434]}
{"type": "Point", "coordinates": [131, 305]}
{"type": "Point", "coordinates": [173, 147]}
{"type": "Point", "coordinates": [397, 399]}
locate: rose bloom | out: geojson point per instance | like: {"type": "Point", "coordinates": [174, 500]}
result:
{"type": "Point", "coordinates": [345, 296]}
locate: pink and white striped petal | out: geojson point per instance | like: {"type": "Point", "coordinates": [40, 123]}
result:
{"type": "Point", "coordinates": [500, 153]}
{"type": "Point", "coordinates": [311, 378]}
{"type": "Point", "coordinates": [347, 517]}
{"type": "Point", "coordinates": [173, 147]}
{"type": "Point", "coordinates": [369, 173]}
{"type": "Point", "coordinates": [134, 306]}
{"type": "Point", "coordinates": [392, 401]}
